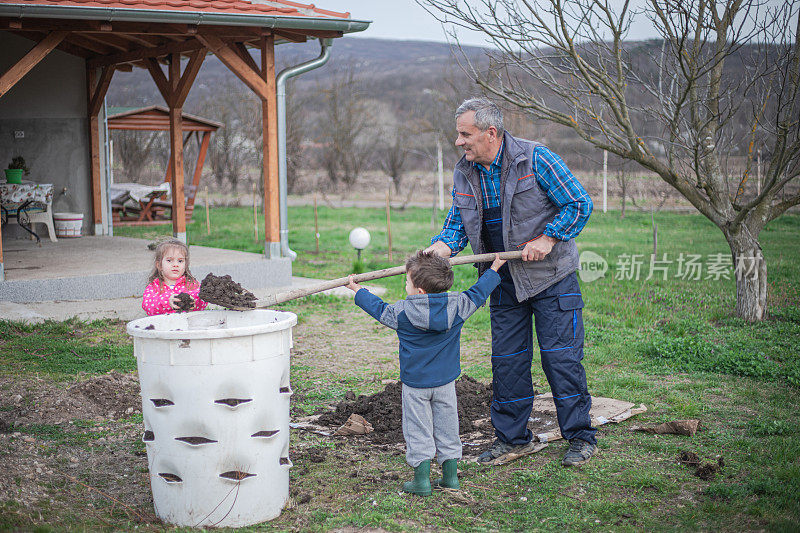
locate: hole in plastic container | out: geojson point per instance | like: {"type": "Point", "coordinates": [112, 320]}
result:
{"type": "Point", "coordinates": [266, 433]}
{"type": "Point", "coordinates": [161, 402]}
{"type": "Point", "coordinates": [233, 402]}
{"type": "Point", "coordinates": [184, 343]}
{"type": "Point", "coordinates": [170, 478]}
{"type": "Point", "coordinates": [195, 441]}
{"type": "Point", "coordinates": [284, 461]}
{"type": "Point", "coordinates": [236, 475]}
{"type": "Point", "coordinates": [148, 436]}
{"type": "Point", "coordinates": [285, 390]}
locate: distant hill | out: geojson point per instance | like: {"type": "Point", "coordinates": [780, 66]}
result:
{"type": "Point", "coordinates": [391, 68]}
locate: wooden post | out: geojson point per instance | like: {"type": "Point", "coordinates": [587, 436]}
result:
{"type": "Point", "coordinates": [316, 225]}
{"type": "Point", "coordinates": [208, 214]}
{"type": "Point", "coordinates": [269, 128]}
{"type": "Point", "coordinates": [96, 87]}
{"type": "Point", "coordinates": [389, 222]}
{"type": "Point", "coordinates": [176, 150]}
{"type": "Point", "coordinates": [255, 211]}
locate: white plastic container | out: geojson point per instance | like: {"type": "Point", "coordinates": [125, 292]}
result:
{"type": "Point", "coordinates": [215, 401]}
{"type": "Point", "coordinates": [68, 224]}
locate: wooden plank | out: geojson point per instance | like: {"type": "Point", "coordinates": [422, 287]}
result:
{"type": "Point", "coordinates": [158, 77]}
{"type": "Point", "coordinates": [176, 169]}
{"type": "Point", "coordinates": [98, 93]}
{"type": "Point", "coordinates": [294, 37]}
{"type": "Point", "coordinates": [188, 76]}
{"type": "Point", "coordinates": [11, 76]}
{"type": "Point", "coordinates": [270, 142]}
{"type": "Point", "coordinates": [108, 39]}
{"type": "Point", "coordinates": [236, 65]}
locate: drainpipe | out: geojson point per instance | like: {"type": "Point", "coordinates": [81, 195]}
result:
{"type": "Point", "coordinates": [285, 74]}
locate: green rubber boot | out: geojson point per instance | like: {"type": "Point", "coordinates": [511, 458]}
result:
{"type": "Point", "coordinates": [449, 479]}
{"type": "Point", "coordinates": [422, 480]}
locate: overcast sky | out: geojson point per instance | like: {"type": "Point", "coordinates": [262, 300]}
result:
{"type": "Point", "coordinates": [406, 20]}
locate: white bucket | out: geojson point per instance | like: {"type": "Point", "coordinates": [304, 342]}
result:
{"type": "Point", "coordinates": [68, 224]}
{"type": "Point", "coordinates": [215, 401]}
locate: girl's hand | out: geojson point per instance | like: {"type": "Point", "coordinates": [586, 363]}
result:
{"type": "Point", "coordinates": [173, 301]}
{"type": "Point", "coordinates": [352, 285]}
{"type": "Point", "coordinates": [497, 263]}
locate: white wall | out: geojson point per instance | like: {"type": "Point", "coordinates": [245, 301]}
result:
{"type": "Point", "coordinates": [49, 105]}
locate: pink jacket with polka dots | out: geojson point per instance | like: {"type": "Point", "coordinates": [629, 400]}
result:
{"type": "Point", "coordinates": [156, 296]}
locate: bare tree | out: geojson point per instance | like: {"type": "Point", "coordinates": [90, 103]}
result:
{"type": "Point", "coordinates": [232, 149]}
{"type": "Point", "coordinates": [687, 92]}
{"type": "Point", "coordinates": [346, 128]}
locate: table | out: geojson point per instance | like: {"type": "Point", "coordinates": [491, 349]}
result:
{"type": "Point", "coordinates": [18, 199]}
{"type": "Point", "coordinates": [143, 195]}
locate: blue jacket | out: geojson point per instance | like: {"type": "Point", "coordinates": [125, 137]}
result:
{"type": "Point", "coordinates": [429, 329]}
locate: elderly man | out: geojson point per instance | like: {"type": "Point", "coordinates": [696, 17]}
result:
{"type": "Point", "coordinates": [513, 194]}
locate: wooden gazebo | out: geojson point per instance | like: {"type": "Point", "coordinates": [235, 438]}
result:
{"type": "Point", "coordinates": [156, 118]}
{"type": "Point", "coordinates": [113, 35]}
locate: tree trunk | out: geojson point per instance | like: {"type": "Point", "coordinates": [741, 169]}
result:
{"type": "Point", "coordinates": [750, 270]}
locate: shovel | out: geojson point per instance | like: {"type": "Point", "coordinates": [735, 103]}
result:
{"type": "Point", "coordinates": [281, 297]}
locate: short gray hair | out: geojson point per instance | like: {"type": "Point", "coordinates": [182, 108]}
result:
{"type": "Point", "coordinates": [487, 114]}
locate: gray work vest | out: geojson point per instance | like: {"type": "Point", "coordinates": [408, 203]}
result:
{"type": "Point", "coordinates": [526, 211]}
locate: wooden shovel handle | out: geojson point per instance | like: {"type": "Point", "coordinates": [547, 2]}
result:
{"type": "Point", "coordinates": [375, 274]}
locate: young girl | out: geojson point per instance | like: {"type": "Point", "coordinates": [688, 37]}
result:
{"type": "Point", "coordinates": [171, 277]}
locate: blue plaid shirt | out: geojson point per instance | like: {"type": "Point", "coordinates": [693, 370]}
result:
{"type": "Point", "coordinates": [552, 175]}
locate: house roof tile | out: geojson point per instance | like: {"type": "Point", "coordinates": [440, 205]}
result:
{"type": "Point", "coordinates": [284, 8]}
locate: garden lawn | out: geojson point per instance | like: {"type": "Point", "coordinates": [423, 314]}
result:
{"type": "Point", "coordinates": [669, 342]}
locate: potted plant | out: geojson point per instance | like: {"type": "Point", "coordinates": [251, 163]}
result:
{"type": "Point", "coordinates": [15, 170]}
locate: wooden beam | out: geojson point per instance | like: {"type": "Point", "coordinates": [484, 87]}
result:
{"type": "Point", "coordinates": [30, 60]}
{"type": "Point", "coordinates": [244, 53]}
{"type": "Point", "coordinates": [108, 39]}
{"type": "Point", "coordinates": [269, 125]}
{"type": "Point", "coordinates": [189, 45]}
{"type": "Point", "coordinates": [237, 65]}
{"type": "Point", "coordinates": [188, 76]}
{"type": "Point", "coordinates": [176, 169]}
{"type": "Point", "coordinates": [88, 44]}
{"type": "Point", "coordinates": [94, 148]}
{"type": "Point", "coordinates": [158, 77]}
{"type": "Point", "coordinates": [98, 94]}
{"type": "Point", "coordinates": [291, 36]}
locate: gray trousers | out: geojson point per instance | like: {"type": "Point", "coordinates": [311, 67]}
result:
{"type": "Point", "coordinates": [430, 424]}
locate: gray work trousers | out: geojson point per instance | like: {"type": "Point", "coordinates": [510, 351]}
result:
{"type": "Point", "coordinates": [430, 424]}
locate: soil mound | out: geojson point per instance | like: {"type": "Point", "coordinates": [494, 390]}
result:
{"type": "Point", "coordinates": [384, 409]}
{"type": "Point", "coordinates": [107, 396]}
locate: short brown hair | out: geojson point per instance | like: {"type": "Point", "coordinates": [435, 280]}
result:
{"type": "Point", "coordinates": [430, 272]}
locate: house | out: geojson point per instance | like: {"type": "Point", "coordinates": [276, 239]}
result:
{"type": "Point", "coordinates": [58, 57]}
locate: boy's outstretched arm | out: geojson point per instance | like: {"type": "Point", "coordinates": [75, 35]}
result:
{"type": "Point", "coordinates": [376, 308]}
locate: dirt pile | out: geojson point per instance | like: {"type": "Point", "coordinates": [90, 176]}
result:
{"type": "Point", "coordinates": [222, 290]}
{"type": "Point", "coordinates": [384, 409]}
{"type": "Point", "coordinates": [108, 396]}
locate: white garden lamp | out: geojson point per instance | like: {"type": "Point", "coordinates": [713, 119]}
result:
{"type": "Point", "coordinates": [359, 239]}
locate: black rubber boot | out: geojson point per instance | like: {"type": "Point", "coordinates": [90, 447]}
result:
{"type": "Point", "coordinates": [422, 480]}
{"type": "Point", "coordinates": [449, 479]}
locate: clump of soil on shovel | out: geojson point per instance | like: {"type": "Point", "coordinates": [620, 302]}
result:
{"type": "Point", "coordinates": [222, 290]}
{"type": "Point", "coordinates": [384, 410]}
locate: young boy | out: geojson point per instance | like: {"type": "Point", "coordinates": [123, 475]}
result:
{"type": "Point", "coordinates": [428, 325]}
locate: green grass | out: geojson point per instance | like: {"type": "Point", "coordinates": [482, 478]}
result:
{"type": "Point", "coordinates": [673, 345]}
